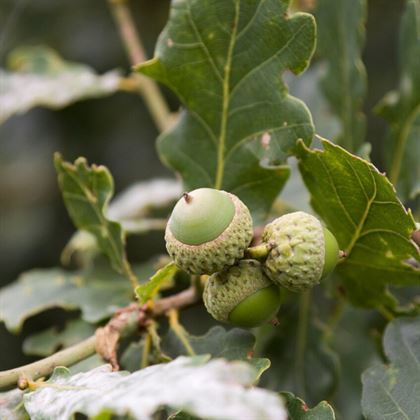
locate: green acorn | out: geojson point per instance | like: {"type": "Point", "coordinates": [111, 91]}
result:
{"type": "Point", "coordinates": [302, 251]}
{"type": "Point", "coordinates": [208, 231]}
{"type": "Point", "coordinates": [242, 295]}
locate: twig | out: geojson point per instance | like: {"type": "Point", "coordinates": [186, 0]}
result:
{"type": "Point", "coordinates": [43, 367]}
{"type": "Point", "coordinates": [134, 47]}
{"type": "Point", "coordinates": [86, 348]}
{"type": "Point", "coordinates": [181, 300]}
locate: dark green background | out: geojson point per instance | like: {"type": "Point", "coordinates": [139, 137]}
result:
{"type": "Point", "coordinates": [116, 131]}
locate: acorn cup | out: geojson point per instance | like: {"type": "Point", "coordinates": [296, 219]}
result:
{"type": "Point", "coordinates": [301, 253]}
{"type": "Point", "coordinates": [208, 231]}
{"type": "Point", "coordinates": [242, 295]}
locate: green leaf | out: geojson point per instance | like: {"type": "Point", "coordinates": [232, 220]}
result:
{"type": "Point", "coordinates": [11, 405]}
{"type": "Point", "coordinates": [392, 391]}
{"type": "Point", "coordinates": [212, 390]}
{"type": "Point", "coordinates": [298, 365]}
{"type": "Point", "coordinates": [298, 410]}
{"type": "Point", "coordinates": [41, 77]}
{"type": "Point", "coordinates": [235, 344]}
{"type": "Point", "coordinates": [401, 108]}
{"type": "Point", "coordinates": [98, 293]}
{"type": "Point", "coordinates": [87, 364]}
{"type": "Point", "coordinates": [355, 340]}
{"type": "Point", "coordinates": [50, 340]}
{"type": "Point", "coordinates": [344, 82]}
{"type": "Point", "coordinates": [149, 290]}
{"type": "Point", "coordinates": [86, 193]}
{"type": "Point", "coordinates": [360, 207]}
{"type": "Point", "coordinates": [224, 59]}
{"type": "Point", "coordinates": [135, 209]}
{"type": "Point", "coordinates": [131, 357]}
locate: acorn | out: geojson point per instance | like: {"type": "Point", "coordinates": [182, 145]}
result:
{"type": "Point", "coordinates": [302, 251]}
{"type": "Point", "coordinates": [208, 231]}
{"type": "Point", "coordinates": [242, 295]}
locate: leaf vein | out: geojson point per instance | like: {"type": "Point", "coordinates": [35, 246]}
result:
{"type": "Point", "coordinates": [251, 21]}
{"type": "Point", "coordinates": [343, 207]}
{"type": "Point", "coordinates": [359, 227]}
{"type": "Point", "coordinates": [204, 46]}
{"type": "Point", "coordinates": [397, 406]}
{"type": "Point", "coordinates": [262, 64]}
{"type": "Point", "coordinates": [266, 130]}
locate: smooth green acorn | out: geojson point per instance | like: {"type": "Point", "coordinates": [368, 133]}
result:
{"type": "Point", "coordinates": [302, 251]}
{"type": "Point", "coordinates": [242, 295]}
{"type": "Point", "coordinates": [332, 253]}
{"type": "Point", "coordinates": [208, 231]}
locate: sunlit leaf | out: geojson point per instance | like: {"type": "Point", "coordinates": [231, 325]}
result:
{"type": "Point", "coordinates": [212, 390]}
{"type": "Point", "coordinates": [38, 76]}
{"type": "Point", "coordinates": [11, 405]}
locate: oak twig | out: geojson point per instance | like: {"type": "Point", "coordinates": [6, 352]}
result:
{"type": "Point", "coordinates": [44, 367]}
{"type": "Point", "coordinates": [125, 320]}
{"type": "Point", "coordinates": [146, 87]}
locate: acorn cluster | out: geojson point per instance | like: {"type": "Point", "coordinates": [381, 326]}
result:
{"type": "Point", "coordinates": [210, 231]}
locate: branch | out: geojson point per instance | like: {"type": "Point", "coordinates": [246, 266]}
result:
{"type": "Point", "coordinates": [135, 50]}
{"type": "Point", "coordinates": [43, 367]}
{"type": "Point", "coordinates": [124, 322]}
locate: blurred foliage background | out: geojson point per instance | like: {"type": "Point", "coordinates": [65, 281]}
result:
{"type": "Point", "coordinates": [116, 131]}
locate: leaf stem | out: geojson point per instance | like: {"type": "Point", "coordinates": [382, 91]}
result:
{"type": "Point", "coordinates": [388, 315]}
{"type": "Point", "coordinates": [155, 338]}
{"type": "Point", "coordinates": [128, 271]}
{"type": "Point", "coordinates": [179, 331]}
{"type": "Point", "coordinates": [259, 252]}
{"type": "Point", "coordinates": [146, 351]}
{"type": "Point", "coordinates": [147, 87]}
{"type": "Point", "coordinates": [304, 305]}
{"type": "Point", "coordinates": [86, 348]}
